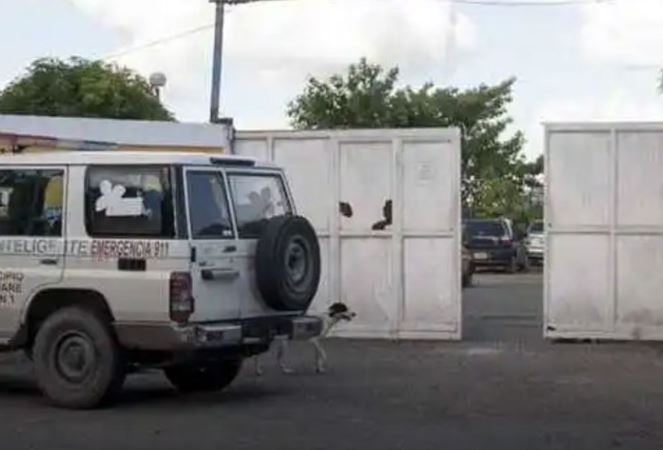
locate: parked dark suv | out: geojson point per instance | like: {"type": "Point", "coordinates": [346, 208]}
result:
{"type": "Point", "coordinates": [493, 244]}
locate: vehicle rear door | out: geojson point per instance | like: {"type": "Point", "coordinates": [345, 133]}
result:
{"type": "Point", "coordinates": [215, 264]}
{"type": "Point", "coordinates": [32, 237]}
{"type": "Point", "coordinates": [257, 196]}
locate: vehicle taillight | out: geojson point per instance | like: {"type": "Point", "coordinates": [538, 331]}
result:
{"type": "Point", "coordinates": [181, 297]}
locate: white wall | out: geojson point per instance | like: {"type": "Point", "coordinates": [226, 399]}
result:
{"type": "Point", "coordinates": [140, 133]}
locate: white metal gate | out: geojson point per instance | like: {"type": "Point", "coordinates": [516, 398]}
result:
{"type": "Point", "coordinates": [402, 278]}
{"type": "Point", "coordinates": [604, 218]}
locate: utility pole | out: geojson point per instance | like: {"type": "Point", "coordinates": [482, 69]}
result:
{"type": "Point", "coordinates": [217, 64]}
{"type": "Point", "coordinates": [217, 61]}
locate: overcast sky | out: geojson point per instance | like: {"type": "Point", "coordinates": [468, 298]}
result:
{"type": "Point", "coordinates": [583, 62]}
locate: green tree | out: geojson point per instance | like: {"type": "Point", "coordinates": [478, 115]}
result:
{"type": "Point", "coordinates": [81, 88]}
{"type": "Point", "coordinates": [534, 171]}
{"type": "Point", "coordinates": [368, 97]}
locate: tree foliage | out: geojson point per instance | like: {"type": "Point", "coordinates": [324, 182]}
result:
{"type": "Point", "coordinates": [81, 88]}
{"type": "Point", "coordinates": [534, 177]}
{"type": "Point", "coordinates": [494, 170]}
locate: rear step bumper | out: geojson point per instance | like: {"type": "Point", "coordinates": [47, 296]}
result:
{"type": "Point", "coordinates": [258, 331]}
{"type": "Point", "coordinates": [306, 327]}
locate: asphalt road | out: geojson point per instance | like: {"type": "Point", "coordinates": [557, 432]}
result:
{"type": "Point", "coordinates": [504, 308]}
{"type": "Point", "coordinates": [501, 389]}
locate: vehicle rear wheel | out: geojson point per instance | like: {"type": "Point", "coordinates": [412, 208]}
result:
{"type": "Point", "coordinates": [77, 360]}
{"type": "Point", "coordinates": [204, 377]}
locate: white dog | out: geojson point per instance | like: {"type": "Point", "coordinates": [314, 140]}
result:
{"type": "Point", "coordinates": [335, 314]}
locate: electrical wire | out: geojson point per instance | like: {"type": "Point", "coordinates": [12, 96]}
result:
{"type": "Point", "coordinates": [523, 3]}
{"type": "Point", "coordinates": [235, 3]}
{"type": "Point", "coordinates": [157, 42]}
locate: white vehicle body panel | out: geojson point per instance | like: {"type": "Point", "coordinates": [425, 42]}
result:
{"type": "Point", "coordinates": [76, 260]}
{"type": "Point", "coordinates": [28, 266]}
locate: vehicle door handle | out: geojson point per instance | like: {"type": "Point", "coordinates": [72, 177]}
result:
{"type": "Point", "coordinates": [219, 274]}
{"type": "Point", "coordinates": [49, 261]}
{"type": "Point", "coordinates": [230, 249]}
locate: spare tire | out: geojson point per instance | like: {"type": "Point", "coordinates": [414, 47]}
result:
{"type": "Point", "coordinates": [288, 263]}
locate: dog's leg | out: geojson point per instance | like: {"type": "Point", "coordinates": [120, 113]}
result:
{"type": "Point", "coordinates": [258, 366]}
{"type": "Point", "coordinates": [282, 356]}
{"type": "Point", "coordinates": [320, 356]}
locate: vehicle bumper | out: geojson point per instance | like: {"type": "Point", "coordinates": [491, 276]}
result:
{"type": "Point", "coordinates": [535, 253]}
{"type": "Point", "coordinates": [492, 257]}
{"type": "Point", "coordinates": [209, 336]}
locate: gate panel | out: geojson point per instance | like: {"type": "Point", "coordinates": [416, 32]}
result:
{"type": "Point", "coordinates": [386, 206]}
{"type": "Point", "coordinates": [604, 220]}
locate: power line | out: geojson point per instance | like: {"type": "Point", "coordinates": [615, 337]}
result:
{"type": "Point", "coordinates": [177, 36]}
{"type": "Point", "coordinates": [532, 3]}
{"type": "Point", "coordinates": [497, 3]}
{"type": "Point", "coordinates": [159, 41]}
{"type": "Point", "coordinates": [478, 2]}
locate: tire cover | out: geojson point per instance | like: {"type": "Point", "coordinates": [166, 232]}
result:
{"type": "Point", "coordinates": [288, 263]}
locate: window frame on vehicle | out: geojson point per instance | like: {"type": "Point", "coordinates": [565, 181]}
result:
{"type": "Point", "coordinates": [267, 173]}
{"type": "Point", "coordinates": [65, 180]}
{"type": "Point", "coordinates": [144, 236]}
{"type": "Point", "coordinates": [226, 191]}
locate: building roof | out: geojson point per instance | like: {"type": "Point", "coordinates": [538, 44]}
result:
{"type": "Point", "coordinates": [128, 158]}
{"type": "Point", "coordinates": [122, 132]}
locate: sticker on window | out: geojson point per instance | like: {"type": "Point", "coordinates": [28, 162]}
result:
{"type": "Point", "coordinates": [114, 204]}
{"type": "Point", "coordinates": [262, 203]}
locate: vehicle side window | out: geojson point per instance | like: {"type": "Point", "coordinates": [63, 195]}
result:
{"type": "Point", "coordinates": [208, 207]}
{"type": "Point", "coordinates": [257, 198]}
{"type": "Point", "coordinates": [126, 201]}
{"type": "Point", "coordinates": [31, 202]}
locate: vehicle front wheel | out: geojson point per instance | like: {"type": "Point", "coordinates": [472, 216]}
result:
{"type": "Point", "coordinates": [204, 377]}
{"type": "Point", "coordinates": [77, 360]}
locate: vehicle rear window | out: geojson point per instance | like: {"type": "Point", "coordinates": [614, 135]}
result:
{"type": "Point", "coordinates": [208, 207]}
{"type": "Point", "coordinates": [536, 227]}
{"type": "Point", "coordinates": [129, 201]}
{"type": "Point", "coordinates": [257, 198]}
{"type": "Point", "coordinates": [31, 202]}
{"type": "Point", "coordinates": [485, 228]}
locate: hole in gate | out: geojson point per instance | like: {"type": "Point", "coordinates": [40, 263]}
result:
{"type": "Point", "coordinates": [387, 218]}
